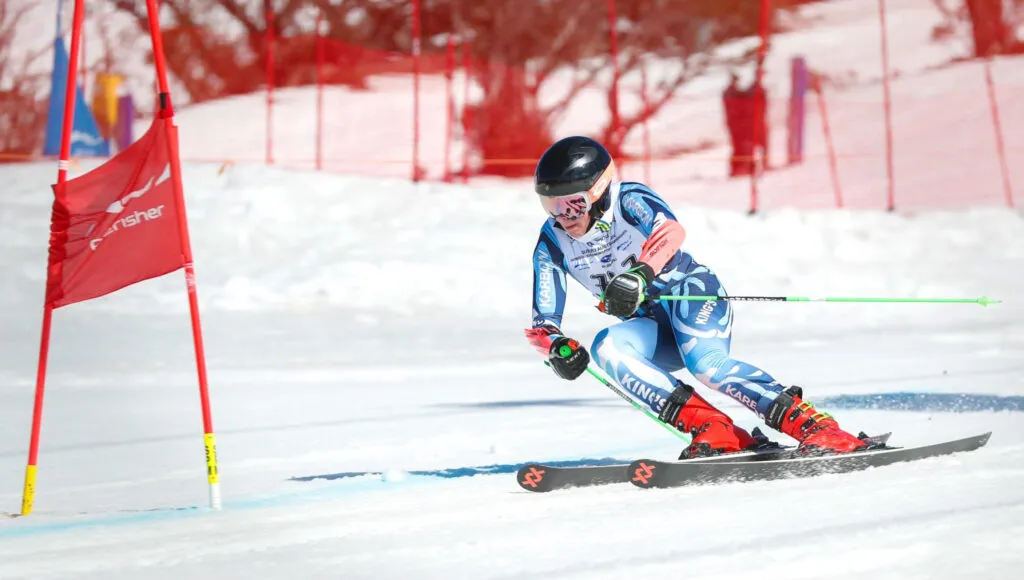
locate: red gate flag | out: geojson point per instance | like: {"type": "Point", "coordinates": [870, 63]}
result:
{"type": "Point", "coordinates": [115, 225]}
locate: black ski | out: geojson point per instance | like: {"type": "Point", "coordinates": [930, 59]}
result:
{"type": "Point", "coordinates": [540, 477]}
{"type": "Point", "coordinates": [655, 473]}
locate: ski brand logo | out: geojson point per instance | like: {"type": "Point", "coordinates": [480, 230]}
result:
{"type": "Point", "coordinates": [533, 477]}
{"type": "Point", "coordinates": [643, 473]}
{"type": "Point", "coordinates": [742, 398]}
{"type": "Point", "coordinates": [118, 206]}
{"type": "Point", "coordinates": [136, 218]}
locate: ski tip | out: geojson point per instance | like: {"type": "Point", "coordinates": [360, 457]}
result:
{"type": "Point", "coordinates": [533, 477]}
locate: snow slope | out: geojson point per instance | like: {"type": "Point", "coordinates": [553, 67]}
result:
{"type": "Point", "coordinates": [337, 346]}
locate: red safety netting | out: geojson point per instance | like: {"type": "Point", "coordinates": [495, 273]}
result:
{"type": "Point", "coordinates": [843, 116]}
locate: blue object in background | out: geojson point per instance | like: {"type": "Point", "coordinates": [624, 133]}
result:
{"type": "Point", "coordinates": [86, 140]}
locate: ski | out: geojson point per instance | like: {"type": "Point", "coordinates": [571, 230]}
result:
{"type": "Point", "coordinates": [647, 473]}
{"type": "Point", "coordinates": [540, 477]}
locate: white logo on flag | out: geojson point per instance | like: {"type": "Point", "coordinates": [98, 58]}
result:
{"type": "Point", "coordinates": [135, 218]}
{"type": "Point", "coordinates": [118, 206]}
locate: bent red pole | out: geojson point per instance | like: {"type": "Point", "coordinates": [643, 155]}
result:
{"type": "Point", "coordinates": [998, 127]}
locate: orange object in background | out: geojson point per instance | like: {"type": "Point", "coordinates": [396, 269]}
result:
{"type": "Point", "coordinates": [104, 102]}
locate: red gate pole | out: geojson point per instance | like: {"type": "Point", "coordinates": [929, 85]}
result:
{"type": "Point", "coordinates": [613, 45]}
{"type": "Point", "coordinates": [467, 66]}
{"type": "Point", "coordinates": [449, 100]}
{"type": "Point", "coordinates": [318, 39]}
{"type": "Point", "coordinates": [416, 40]}
{"type": "Point", "coordinates": [647, 129]}
{"type": "Point", "coordinates": [890, 203]}
{"type": "Point", "coordinates": [269, 17]}
{"type": "Point", "coordinates": [29, 491]}
{"type": "Point", "coordinates": [760, 99]}
{"type": "Point", "coordinates": [167, 114]}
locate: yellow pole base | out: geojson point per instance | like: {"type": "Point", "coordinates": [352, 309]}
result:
{"type": "Point", "coordinates": [28, 498]}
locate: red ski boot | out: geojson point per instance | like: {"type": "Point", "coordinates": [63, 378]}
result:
{"type": "Point", "coordinates": [818, 433]}
{"type": "Point", "coordinates": [713, 431]}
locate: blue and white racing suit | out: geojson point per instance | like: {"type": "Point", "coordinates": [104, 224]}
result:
{"type": "Point", "coordinates": [664, 335]}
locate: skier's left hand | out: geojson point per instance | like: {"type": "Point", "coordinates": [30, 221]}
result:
{"type": "Point", "coordinates": [568, 358]}
{"type": "Point", "coordinates": [626, 292]}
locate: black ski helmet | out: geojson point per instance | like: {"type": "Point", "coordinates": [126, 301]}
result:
{"type": "Point", "coordinates": [573, 165]}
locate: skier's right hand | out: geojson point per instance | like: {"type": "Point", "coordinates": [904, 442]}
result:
{"type": "Point", "coordinates": [568, 358]}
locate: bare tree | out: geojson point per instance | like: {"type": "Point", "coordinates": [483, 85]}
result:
{"type": "Point", "coordinates": [988, 26]}
{"type": "Point", "coordinates": [217, 48]}
{"type": "Point", "coordinates": [521, 52]}
{"type": "Point", "coordinates": [22, 95]}
{"type": "Point", "coordinates": [526, 50]}
{"type": "Point", "coordinates": [992, 24]}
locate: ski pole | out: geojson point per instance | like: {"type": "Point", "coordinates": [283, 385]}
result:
{"type": "Point", "coordinates": [615, 389]}
{"type": "Point", "coordinates": [983, 301]}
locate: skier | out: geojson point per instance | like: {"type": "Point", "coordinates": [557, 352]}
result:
{"type": "Point", "coordinates": [621, 241]}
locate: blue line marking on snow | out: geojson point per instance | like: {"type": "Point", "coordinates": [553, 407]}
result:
{"type": "Point", "coordinates": [103, 520]}
{"type": "Point", "coordinates": [371, 482]}
{"type": "Point", "coordinates": [928, 402]}
{"type": "Point", "coordinates": [453, 472]}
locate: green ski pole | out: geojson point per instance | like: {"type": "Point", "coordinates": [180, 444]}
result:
{"type": "Point", "coordinates": [983, 301]}
{"type": "Point", "coordinates": [615, 389]}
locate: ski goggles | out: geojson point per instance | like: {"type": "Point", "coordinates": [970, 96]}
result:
{"type": "Point", "coordinates": [572, 206]}
{"type": "Point", "coordinates": [567, 207]}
